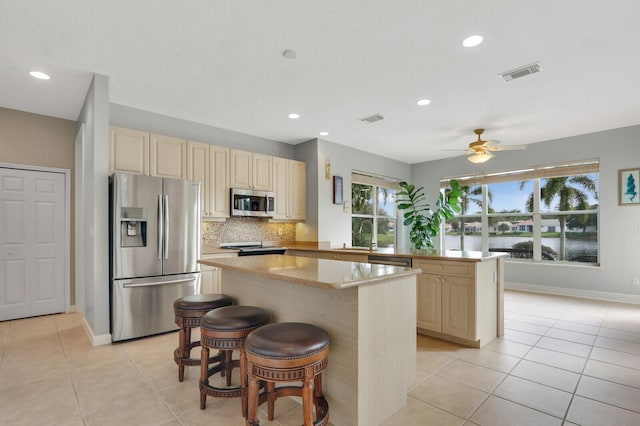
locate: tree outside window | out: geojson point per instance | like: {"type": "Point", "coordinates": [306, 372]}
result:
{"type": "Point", "coordinates": [373, 218]}
{"type": "Point", "coordinates": [548, 219]}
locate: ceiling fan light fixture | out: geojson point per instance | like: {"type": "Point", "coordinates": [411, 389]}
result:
{"type": "Point", "coordinates": [480, 157]}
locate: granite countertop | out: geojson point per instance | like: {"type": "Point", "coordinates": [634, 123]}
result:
{"type": "Point", "coordinates": [471, 256]}
{"type": "Point", "coordinates": [215, 249]}
{"type": "Point", "coordinates": [322, 273]}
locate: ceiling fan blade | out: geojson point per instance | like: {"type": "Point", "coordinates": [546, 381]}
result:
{"type": "Point", "coordinates": [457, 149]}
{"type": "Point", "coordinates": [506, 148]}
{"type": "Point", "coordinates": [491, 143]}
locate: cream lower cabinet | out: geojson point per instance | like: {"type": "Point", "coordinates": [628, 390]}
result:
{"type": "Point", "coordinates": [250, 170]}
{"type": "Point", "coordinates": [301, 253]}
{"type": "Point", "coordinates": [290, 189]}
{"type": "Point", "coordinates": [211, 276]}
{"type": "Point", "coordinates": [208, 164]}
{"type": "Point", "coordinates": [347, 257]}
{"type": "Point", "coordinates": [458, 300]}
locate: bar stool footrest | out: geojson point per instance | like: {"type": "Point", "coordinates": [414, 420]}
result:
{"type": "Point", "coordinates": [192, 361]}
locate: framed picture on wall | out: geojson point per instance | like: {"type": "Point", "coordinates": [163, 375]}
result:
{"type": "Point", "coordinates": [629, 187]}
{"type": "Point", "coordinates": [337, 190]}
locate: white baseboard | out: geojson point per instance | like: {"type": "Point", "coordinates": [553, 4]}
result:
{"type": "Point", "coordinates": [574, 292]}
{"type": "Point", "coordinates": [102, 339]}
{"type": "Point", "coordinates": [72, 308]}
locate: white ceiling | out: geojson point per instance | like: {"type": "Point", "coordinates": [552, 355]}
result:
{"type": "Point", "coordinates": [220, 63]}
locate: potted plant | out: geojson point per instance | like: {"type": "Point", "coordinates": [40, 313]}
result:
{"type": "Point", "coordinates": [425, 223]}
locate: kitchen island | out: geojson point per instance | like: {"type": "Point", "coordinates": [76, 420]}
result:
{"type": "Point", "coordinates": [460, 294]}
{"type": "Point", "coordinates": [369, 312]}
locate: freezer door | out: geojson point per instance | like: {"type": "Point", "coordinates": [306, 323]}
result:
{"type": "Point", "coordinates": [135, 225]}
{"type": "Point", "coordinates": [144, 306]}
{"type": "Point", "coordinates": [182, 226]}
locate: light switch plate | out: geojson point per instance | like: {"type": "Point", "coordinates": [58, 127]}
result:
{"type": "Point", "coordinates": [346, 206]}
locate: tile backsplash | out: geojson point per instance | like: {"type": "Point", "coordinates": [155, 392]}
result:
{"type": "Point", "coordinates": [246, 229]}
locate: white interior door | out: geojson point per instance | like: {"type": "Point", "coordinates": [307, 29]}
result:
{"type": "Point", "coordinates": [32, 243]}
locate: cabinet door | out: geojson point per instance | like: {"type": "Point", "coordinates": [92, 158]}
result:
{"type": "Point", "coordinates": [240, 169]}
{"type": "Point", "coordinates": [128, 151]}
{"type": "Point", "coordinates": [261, 170]}
{"type": "Point", "coordinates": [219, 181]}
{"type": "Point", "coordinates": [211, 279]}
{"type": "Point", "coordinates": [429, 305]}
{"type": "Point", "coordinates": [168, 157]}
{"type": "Point", "coordinates": [458, 307]}
{"type": "Point", "coordinates": [297, 190]}
{"type": "Point", "coordinates": [198, 168]}
{"type": "Point", "coordinates": [281, 187]}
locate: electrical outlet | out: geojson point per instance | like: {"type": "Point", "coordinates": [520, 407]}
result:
{"type": "Point", "coordinates": [279, 231]}
{"type": "Point", "coordinates": [635, 282]}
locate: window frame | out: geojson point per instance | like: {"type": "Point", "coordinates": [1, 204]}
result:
{"type": "Point", "coordinates": [375, 183]}
{"type": "Point", "coordinates": [535, 174]}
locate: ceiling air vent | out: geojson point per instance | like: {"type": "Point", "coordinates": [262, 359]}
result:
{"type": "Point", "coordinates": [372, 118]}
{"type": "Point", "coordinates": [522, 71]}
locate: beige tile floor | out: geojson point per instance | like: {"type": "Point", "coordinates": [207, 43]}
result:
{"type": "Point", "coordinates": [562, 361]}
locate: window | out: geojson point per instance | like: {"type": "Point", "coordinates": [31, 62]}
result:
{"type": "Point", "coordinates": [544, 214]}
{"type": "Point", "coordinates": [373, 212]}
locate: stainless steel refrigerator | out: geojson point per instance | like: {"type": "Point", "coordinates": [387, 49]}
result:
{"type": "Point", "coordinates": [154, 248]}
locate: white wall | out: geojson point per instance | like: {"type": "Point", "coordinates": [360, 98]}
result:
{"type": "Point", "coordinates": [333, 222]}
{"type": "Point", "coordinates": [95, 117]}
{"type": "Point", "coordinates": [619, 225]}
{"type": "Point", "coordinates": [123, 116]}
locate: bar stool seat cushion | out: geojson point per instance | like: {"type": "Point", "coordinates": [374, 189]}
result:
{"type": "Point", "coordinates": [234, 318]}
{"type": "Point", "coordinates": [201, 302]}
{"type": "Point", "coordinates": [288, 340]}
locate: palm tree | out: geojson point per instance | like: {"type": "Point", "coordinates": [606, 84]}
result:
{"type": "Point", "coordinates": [570, 197]}
{"type": "Point", "coordinates": [472, 196]}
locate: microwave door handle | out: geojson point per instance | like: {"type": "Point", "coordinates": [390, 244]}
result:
{"type": "Point", "coordinates": [166, 227]}
{"type": "Point", "coordinates": [160, 226]}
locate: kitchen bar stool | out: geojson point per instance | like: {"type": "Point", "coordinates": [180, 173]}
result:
{"type": "Point", "coordinates": [188, 311]}
{"type": "Point", "coordinates": [288, 352]}
{"type": "Point", "coordinates": [225, 329]}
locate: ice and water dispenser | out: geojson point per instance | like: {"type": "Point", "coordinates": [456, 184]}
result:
{"type": "Point", "coordinates": [133, 227]}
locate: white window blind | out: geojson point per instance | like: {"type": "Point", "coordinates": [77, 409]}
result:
{"type": "Point", "coordinates": [581, 167]}
{"type": "Point", "coordinates": [380, 181]}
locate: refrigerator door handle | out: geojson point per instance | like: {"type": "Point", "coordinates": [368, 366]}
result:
{"type": "Point", "coordinates": [157, 283]}
{"type": "Point", "coordinates": [166, 227]}
{"type": "Point", "coordinates": [160, 227]}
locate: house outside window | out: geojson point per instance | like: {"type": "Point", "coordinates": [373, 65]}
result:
{"type": "Point", "coordinates": [544, 214]}
{"type": "Point", "coordinates": [373, 211]}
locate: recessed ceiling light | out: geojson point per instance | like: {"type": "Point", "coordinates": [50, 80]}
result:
{"type": "Point", "coordinates": [39, 74]}
{"type": "Point", "coordinates": [472, 41]}
{"type": "Point", "coordinates": [423, 102]}
{"type": "Point", "coordinates": [324, 133]}
{"type": "Point", "coordinates": [293, 116]}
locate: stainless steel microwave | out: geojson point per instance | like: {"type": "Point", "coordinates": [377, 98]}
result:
{"type": "Point", "coordinates": [249, 202]}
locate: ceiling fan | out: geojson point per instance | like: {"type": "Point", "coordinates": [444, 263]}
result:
{"type": "Point", "coordinates": [480, 151]}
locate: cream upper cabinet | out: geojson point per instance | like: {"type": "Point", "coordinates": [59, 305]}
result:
{"type": "Point", "coordinates": [219, 181]}
{"type": "Point", "coordinates": [208, 164]}
{"type": "Point", "coordinates": [250, 170]}
{"type": "Point", "coordinates": [290, 189]}
{"type": "Point", "coordinates": [297, 190]}
{"type": "Point", "coordinates": [167, 156]}
{"type": "Point", "coordinates": [128, 151]}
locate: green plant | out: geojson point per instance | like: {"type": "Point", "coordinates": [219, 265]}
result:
{"type": "Point", "coordinates": [425, 223]}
